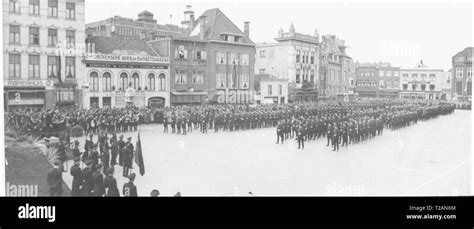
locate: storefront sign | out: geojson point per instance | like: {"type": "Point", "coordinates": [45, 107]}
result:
{"type": "Point", "coordinates": [26, 102]}
{"type": "Point", "coordinates": [126, 58]}
{"type": "Point", "coordinates": [28, 83]}
{"type": "Point", "coordinates": [130, 66]}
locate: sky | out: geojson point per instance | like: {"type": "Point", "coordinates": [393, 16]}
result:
{"type": "Point", "coordinates": [402, 33]}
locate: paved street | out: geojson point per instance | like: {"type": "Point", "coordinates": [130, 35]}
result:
{"type": "Point", "coordinates": [430, 158]}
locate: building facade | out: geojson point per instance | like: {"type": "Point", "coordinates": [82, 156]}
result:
{"type": "Point", "coordinates": [421, 82]}
{"type": "Point", "coordinates": [462, 74]}
{"type": "Point", "coordinates": [378, 80]}
{"type": "Point", "coordinates": [335, 65]}
{"type": "Point", "coordinates": [211, 59]}
{"type": "Point", "coordinates": [367, 80]}
{"type": "Point", "coordinates": [125, 71]}
{"type": "Point", "coordinates": [145, 27]}
{"type": "Point", "coordinates": [43, 43]}
{"type": "Point", "coordinates": [271, 89]}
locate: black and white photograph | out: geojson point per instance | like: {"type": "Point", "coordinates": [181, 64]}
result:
{"type": "Point", "coordinates": [236, 98]}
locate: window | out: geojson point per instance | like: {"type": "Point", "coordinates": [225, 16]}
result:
{"type": "Point", "coordinates": [312, 58]}
{"type": "Point", "coordinates": [52, 66]}
{"type": "Point", "coordinates": [298, 76]}
{"type": "Point", "coordinates": [162, 82]}
{"type": "Point", "coordinates": [389, 73]}
{"type": "Point", "coordinates": [312, 76]}
{"type": "Point", "coordinates": [34, 7]}
{"type": "Point", "coordinates": [70, 67]}
{"type": "Point", "coordinates": [14, 34]}
{"type": "Point", "coordinates": [34, 36]}
{"type": "Point", "coordinates": [181, 53]}
{"type": "Point", "coordinates": [269, 89]}
{"type": "Point", "coordinates": [221, 80]}
{"type": "Point", "coordinates": [414, 76]}
{"type": "Point", "coordinates": [70, 10]}
{"type": "Point", "coordinates": [94, 81]}
{"type": "Point", "coordinates": [423, 87]}
{"type": "Point", "coordinates": [123, 81]}
{"type": "Point", "coordinates": [432, 87]}
{"type": "Point", "coordinates": [180, 77]}
{"type": "Point", "coordinates": [70, 38]}
{"type": "Point", "coordinates": [459, 71]}
{"type": "Point", "coordinates": [197, 77]}
{"type": "Point", "coordinates": [53, 8]}
{"type": "Point", "coordinates": [423, 76]}
{"type": "Point", "coordinates": [298, 53]}
{"type": "Point", "coordinates": [14, 66]}
{"type": "Point", "coordinates": [405, 76]}
{"type": "Point", "coordinates": [280, 89]}
{"type": "Point", "coordinates": [14, 6]}
{"type": "Point", "coordinates": [469, 71]}
{"type": "Point", "coordinates": [432, 76]}
{"type": "Point", "coordinates": [220, 58]}
{"type": "Point", "coordinates": [395, 73]}
{"type": "Point", "coordinates": [262, 54]}
{"type": "Point", "coordinates": [107, 82]}
{"type": "Point", "coordinates": [414, 87]}
{"type": "Point", "coordinates": [244, 82]}
{"type": "Point", "coordinates": [262, 71]}
{"type": "Point", "coordinates": [135, 81]}
{"type": "Point", "coordinates": [52, 37]}
{"type": "Point", "coordinates": [245, 59]}
{"type": "Point", "coordinates": [460, 58]}
{"type": "Point", "coordinates": [65, 94]}
{"type": "Point", "coordinates": [200, 55]}
{"type": "Point", "coordinates": [34, 66]}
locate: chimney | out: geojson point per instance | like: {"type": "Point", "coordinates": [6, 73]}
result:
{"type": "Point", "coordinates": [202, 29]}
{"type": "Point", "coordinates": [247, 29]}
{"type": "Point", "coordinates": [191, 18]}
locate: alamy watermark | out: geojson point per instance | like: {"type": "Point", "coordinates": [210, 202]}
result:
{"type": "Point", "coordinates": [21, 189]}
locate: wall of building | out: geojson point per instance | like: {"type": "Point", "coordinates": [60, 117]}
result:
{"type": "Point", "coordinates": [276, 61]}
{"type": "Point", "coordinates": [275, 94]}
{"type": "Point", "coordinates": [412, 77]}
{"type": "Point", "coordinates": [462, 80]}
{"type": "Point", "coordinates": [44, 22]}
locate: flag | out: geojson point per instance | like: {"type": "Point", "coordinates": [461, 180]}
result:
{"type": "Point", "coordinates": [139, 156]}
{"type": "Point", "coordinates": [60, 81]}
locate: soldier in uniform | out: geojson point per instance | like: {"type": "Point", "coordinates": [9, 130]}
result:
{"type": "Point", "coordinates": [129, 188]}
{"type": "Point", "coordinates": [330, 134]}
{"type": "Point", "coordinates": [165, 124]}
{"type": "Point", "coordinates": [75, 151]}
{"type": "Point", "coordinates": [88, 146]}
{"type": "Point", "coordinates": [345, 135]}
{"type": "Point", "coordinates": [280, 134]}
{"type": "Point", "coordinates": [55, 180]}
{"type": "Point", "coordinates": [87, 181]}
{"type": "Point", "coordinates": [98, 180]}
{"type": "Point", "coordinates": [76, 174]}
{"type": "Point", "coordinates": [300, 137]}
{"type": "Point", "coordinates": [335, 139]}
{"type": "Point", "coordinates": [110, 183]}
{"type": "Point", "coordinates": [128, 157]}
{"type": "Point", "coordinates": [113, 149]}
{"type": "Point", "coordinates": [120, 147]}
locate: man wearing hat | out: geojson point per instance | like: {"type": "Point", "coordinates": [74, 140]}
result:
{"type": "Point", "coordinates": [55, 180]}
{"type": "Point", "coordinates": [128, 157]}
{"type": "Point", "coordinates": [120, 147]}
{"type": "Point", "coordinates": [129, 188]}
{"type": "Point", "coordinates": [87, 181]}
{"type": "Point", "coordinates": [113, 149]}
{"type": "Point", "coordinates": [75, 151]}
{"type": "Point", "coordinates": [98, 179]}
{"type": "Point", "coordinates": [77, 179]}
{"type": "Point", "coordinates": [110, 183]}
{"type": "Point", "coordinates": [88, 145]}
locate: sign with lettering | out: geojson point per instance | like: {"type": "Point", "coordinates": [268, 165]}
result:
{"type": "Point", "coordinates": [28, 83]}
{"type": "Point", "coordinates": [131, 66]}
{"type": "Point", "coordinates": [26, 102]}
{"type": "Point", "coordinates": [126, 58]}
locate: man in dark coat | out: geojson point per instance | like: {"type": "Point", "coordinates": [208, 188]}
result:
{"type": "Point", "coordinates": [120, 147]}
{"type": "Point", "coordinates": [76, 152]}
{"type": "Point", "coordinates": [76, 174]}
{"type": "Point", "coordinates": [98, 180]}
{"type": "Point", "coordinates": [113, 150]}
{"type": "Point", "coordinates": [280, 133]}
{"type": "Point", "coordinates": [129, 188]}
{"type": "Point", "coordinates": [110, 183]}
{"type": "Point", "coordinates": [87, 181]}
{"type": "Point", "coordinates": [55, 180]}
{"type": "Point", "coordinates": [300, 138]}
{"type": "Point", "coordinates": [128, 157]}
{"type": "Point", "coordinates": [88, 146]}
{"type": "Point", "coordinates": [106, 156]}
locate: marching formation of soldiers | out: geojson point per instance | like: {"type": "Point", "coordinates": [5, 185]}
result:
{"type": "Point", "coordinates": [351, 123]}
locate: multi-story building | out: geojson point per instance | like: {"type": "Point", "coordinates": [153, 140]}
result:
{"type": "Point", "coordinates": [388, 80]}
{"type": "Point", "coordinates": [43, 43]}
{"type": "Point", "coordinates": [145, 27]}
{"type": "Point", "coordinates": [377, 80]}
{"type": "Point", "coordinates": [367, 80]}
{"type": "Point", "coordinates": [295, 57]}
{"type": "Point", "coordinates": [211, 59]}
{"type": "Point", "coordinates": [271, 89]}
{"type": "Point", "coordinates": [124, 71]}
{"type": "Point", "coordinates": [334, 66]}
{"type": "Point", "coordinates": [462, 74]}
{"type": "Point", "coordinates": [421, 82]}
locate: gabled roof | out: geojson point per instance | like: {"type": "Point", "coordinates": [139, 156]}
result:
{"type": "Point", "coordinates": [107, 45]}
{"type": "Point", "coordinates": [216, 23]}
{"type": "Point", "coordinates": [466, 52]}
